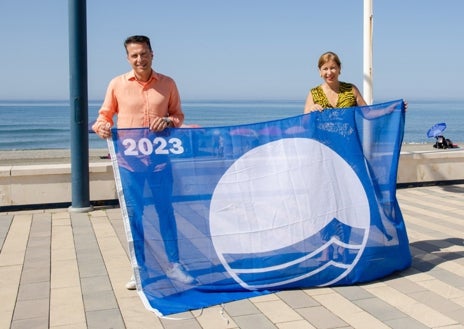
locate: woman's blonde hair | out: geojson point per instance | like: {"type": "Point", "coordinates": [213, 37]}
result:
{"type": "Point", "coordinates": [327, 57]}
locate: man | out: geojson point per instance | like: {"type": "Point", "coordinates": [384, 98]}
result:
{"type": "Point", "coordinates": [145, 98]}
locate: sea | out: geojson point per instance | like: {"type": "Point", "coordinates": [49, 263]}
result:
{"type": "Point", "coordinates": [36, 125]}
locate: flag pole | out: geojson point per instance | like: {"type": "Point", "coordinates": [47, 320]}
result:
{"type": "Point", "coordinates": [368, 19]}
{"type": "Point", "coordinates": [367, 47]}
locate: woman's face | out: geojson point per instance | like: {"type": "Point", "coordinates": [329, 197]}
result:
{"type": "Point", "coordinates": [330, 72]}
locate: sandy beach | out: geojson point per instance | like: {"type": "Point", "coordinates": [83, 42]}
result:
{"type": "Point", "coordinates": [58, 156]}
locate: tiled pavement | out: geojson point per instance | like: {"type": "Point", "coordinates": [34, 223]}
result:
{"type": "Point", "coordinates": [68, 270]}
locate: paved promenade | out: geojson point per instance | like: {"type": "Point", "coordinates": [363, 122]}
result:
{"type": "Point", "coordinates": [68, 270]}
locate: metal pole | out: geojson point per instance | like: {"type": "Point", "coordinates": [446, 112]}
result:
{"type": "Point", "coordinates": [79, 106]}
{"type": "Point", "coordinates": [367, 46]}
{"type": "Point", "coordinates": [367, 74]}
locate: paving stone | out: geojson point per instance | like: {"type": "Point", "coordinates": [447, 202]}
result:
{"type": "Point", "coordinates": [35, 323]}
{"type": "Point", "coordinates": [34, 290]}
{"type": "Point", "coordinates": [321, 318]}
{"type": "Point", "coordinates": [100, 300]}
{"type": "Point", "coordinates": [105, 319]}
{"type": "Point", "coordinates": [380, 309]}
{"type": "Point", "coordinates": [297, 298]}
{"type": "Point", "coordinates": [5, 222]}
{"type": "Point", "coordinates": [353, 292]}
{"type": "Point", "coordinates": [241, 307]}
{"type": "Point", "coordinates": [30, 309]}
{"type": "Point", "coordinates": [180, 321]}
{"type": "Point", "coordinates": [254, 321]}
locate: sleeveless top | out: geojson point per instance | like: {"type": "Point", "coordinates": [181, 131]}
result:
{"type": "Point", "coordinates": [346, 96]}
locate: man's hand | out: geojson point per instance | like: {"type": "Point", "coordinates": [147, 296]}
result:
{"type": "Point", "coordinates": [159, 124]}
{"type": "Point", "coordinates": [104, 130]}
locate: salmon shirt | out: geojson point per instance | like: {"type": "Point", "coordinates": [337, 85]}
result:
{"type": "Point", "coordinates": [136, 103]}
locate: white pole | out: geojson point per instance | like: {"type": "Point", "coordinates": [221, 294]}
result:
{"type": "Point", "coordinates": [367, 47]}
{"type": "Point", "coordinates": [367, 74]}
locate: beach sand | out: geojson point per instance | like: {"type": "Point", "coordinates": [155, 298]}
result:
{"type": "Point", "coordinates": [60, 156]}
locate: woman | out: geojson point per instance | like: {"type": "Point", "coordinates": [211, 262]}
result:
{"type": "Point", "coordinates": [332, 93]}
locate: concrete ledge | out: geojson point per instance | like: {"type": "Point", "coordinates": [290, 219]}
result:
{"type": "Point", "coordinates": [51, 183]}
{"type": "Point", "coordinates": [432, 166]}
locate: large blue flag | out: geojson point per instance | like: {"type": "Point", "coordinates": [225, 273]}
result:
{"type": "Point", "coordinates": [224, 213]}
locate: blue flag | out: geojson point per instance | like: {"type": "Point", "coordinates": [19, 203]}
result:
{"type": "Point", "coordinates": [225, 213]}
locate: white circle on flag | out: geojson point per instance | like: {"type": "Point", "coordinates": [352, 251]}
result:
{"type": "Point", "coordinates": [281, 193]}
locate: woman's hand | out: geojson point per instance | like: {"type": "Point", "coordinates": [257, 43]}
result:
{"type": "Point", "coordinates": [313, 108]}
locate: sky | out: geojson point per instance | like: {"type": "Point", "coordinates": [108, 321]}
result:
{"type": "Point", "coordinates": [243, 49]}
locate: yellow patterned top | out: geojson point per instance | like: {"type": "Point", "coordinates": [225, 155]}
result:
{"type": "Point", "coordinates": [346, 96]}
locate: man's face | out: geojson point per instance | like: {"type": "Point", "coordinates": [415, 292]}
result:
{"type": "Point", "coordinates": [140, 57]}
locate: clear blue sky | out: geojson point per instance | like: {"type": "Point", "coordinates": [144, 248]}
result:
{"type": "Point", "coordinates": [238, 49]}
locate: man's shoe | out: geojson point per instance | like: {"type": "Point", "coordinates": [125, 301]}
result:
{"type": "Point", "coordinates": [176, 272]}
{"type": "Point", "coordinates": [131, 285]}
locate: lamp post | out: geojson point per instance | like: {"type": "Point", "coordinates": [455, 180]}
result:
{"type": "Point", "coordinates": [79, 106]}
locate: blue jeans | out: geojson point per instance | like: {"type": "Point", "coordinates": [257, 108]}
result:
{"type": "Point", "coordinates": [159, 181]}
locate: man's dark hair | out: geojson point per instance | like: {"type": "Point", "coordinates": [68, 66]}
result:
{"type": "Point", "coordinates": [138, 39]}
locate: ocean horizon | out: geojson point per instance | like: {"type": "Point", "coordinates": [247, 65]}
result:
{"type": "Point", "coordinates": [45, 124]}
